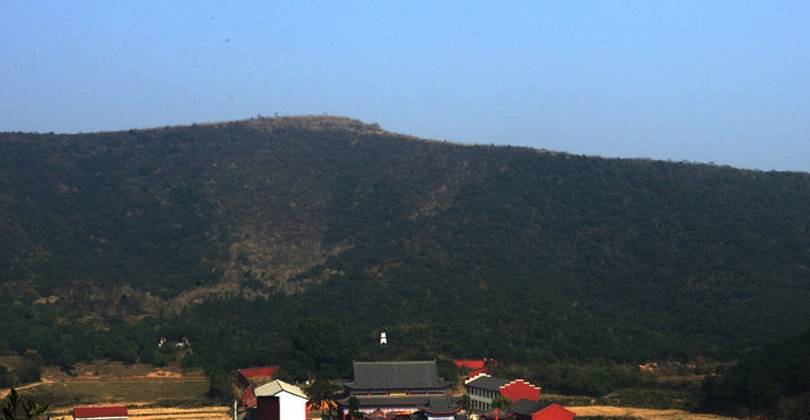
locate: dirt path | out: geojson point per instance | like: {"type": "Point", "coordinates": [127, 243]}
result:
{"type": "Point", "coordinates": [642, 413]}
{"type": "Point", "coordinates": [5, 391]}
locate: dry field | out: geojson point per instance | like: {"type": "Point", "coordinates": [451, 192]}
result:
{"type": "Point", "coordinates": [149, 392]}
{"type": "Point", "coordinates": [62, 394]}
{"type": "Point", "coordinates": [169, 413]}
{"type": "Point", "coordinates": [641, 413]}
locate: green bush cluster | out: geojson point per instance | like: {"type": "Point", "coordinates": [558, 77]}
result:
{"type": "Point", "coordinates": [774, 382]}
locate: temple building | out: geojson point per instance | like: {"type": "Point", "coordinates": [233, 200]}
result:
{"type": "Point", "coordinates": [396, 389]}
{"type": "Point", "coordinates": [529, 410]}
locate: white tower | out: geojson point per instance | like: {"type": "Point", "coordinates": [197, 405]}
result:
{"type": "Point", "coordinates": [383, 339]}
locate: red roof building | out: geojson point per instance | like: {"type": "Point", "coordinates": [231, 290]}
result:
{"type": "Point", "coordinates": [257, 375]}
{"type": "Point", "coordinates": [471, 364]}
{"type": "Point", "coordinates": [474, 367]}
{"type": "Point", "coordinates": [101, 413]}
{"type": "Point", "coordinates": [554, 412]}
{"type": "Point", "coordinates": [519, 389]}
{"type": "Point", "coordinates": [248, 398]}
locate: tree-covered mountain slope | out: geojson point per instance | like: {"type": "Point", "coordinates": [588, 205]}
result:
{"type": "Point", "coordinates": [461, 249]}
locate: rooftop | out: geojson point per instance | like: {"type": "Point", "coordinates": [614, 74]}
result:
{"type": "Point", "coordinates": [488, 382]}
{"type": "Point", "coordinates": [94, 412]}
{"type": "Point", "coordinates": [555, 410]}
{"type": "Point", "coordinates": [259, 372]}
{"type": "Point", "coordinates": [525, 407]}
{"type": "Point", "coordinates": [272, 389]}
{"type": "Point", "coordinates": [396, 376]}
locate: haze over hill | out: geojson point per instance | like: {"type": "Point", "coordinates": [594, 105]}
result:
{"type": "Point", "coordinates": [243, 229]}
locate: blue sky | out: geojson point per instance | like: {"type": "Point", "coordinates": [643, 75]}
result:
{"type": "Point", "coordinates": [721, 81]}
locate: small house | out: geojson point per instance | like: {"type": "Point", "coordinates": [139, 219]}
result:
{"type": "Point", "coordinates": [278, 400]}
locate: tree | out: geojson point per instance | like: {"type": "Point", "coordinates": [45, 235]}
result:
{"type": "Point", "coordinates": [220, 385]}
{"type": "Point", "coordinates": [5, 377]}
{"type": "Point", "coordinates": [354, 407]}
{"type": "Point", "coordinates": [18, 408]}
{"type": "Point", "coordinates": [320, 394]}
{"type": "Point", "coordinates": [322, 346]}
{"type": "Point", "coordinates": [190, 361]}
{"type": "Point", "coordinates": [501, 402]}
{"type": "Point", "coordinates": [466, 402]}
{"type": "Point", "coordinates": [29, 372]}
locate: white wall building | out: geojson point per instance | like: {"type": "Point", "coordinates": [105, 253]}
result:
{"type": "Point", "coordinates": [278, 400]}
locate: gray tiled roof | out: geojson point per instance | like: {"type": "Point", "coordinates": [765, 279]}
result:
{"type": "Point", "coordinates": [396, 375]}
{"type": "Point", "coordinates": [488, 382]}
{"type": "Point", "coordinates": [389, 401]}
{"type": "Point", "coordinates": [441, 404]}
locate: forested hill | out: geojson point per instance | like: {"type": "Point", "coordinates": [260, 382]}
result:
{"type": "Point", "coordinates": [473, 249]}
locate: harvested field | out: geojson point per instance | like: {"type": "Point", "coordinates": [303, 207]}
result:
{"type": "Point", "coordinates": [168, 413]}
{"type": "Point", "coordinates": [187, 392]}
{"type": "Point", "coordinates": [641, 413]}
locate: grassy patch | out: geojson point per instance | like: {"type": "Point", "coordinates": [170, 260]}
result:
{"type": "Point", "coordinates": [683, 399]}
{"type": "Point", "coordinates": [94, 392]}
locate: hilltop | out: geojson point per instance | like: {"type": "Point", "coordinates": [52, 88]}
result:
{"type": "Point", "coordinates": [243, 231]}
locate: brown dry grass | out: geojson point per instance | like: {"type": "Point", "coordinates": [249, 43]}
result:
{"type": "Point", "coordinates": [641, 413]}
{"type": "Point", "coordinates": [168, 413]}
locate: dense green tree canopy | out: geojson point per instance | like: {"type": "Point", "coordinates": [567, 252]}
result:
{"type": "Point", "coordinates": [774, 381]}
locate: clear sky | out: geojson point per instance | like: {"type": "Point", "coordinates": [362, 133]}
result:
{"type": "Point", "coordinates": [721, 81]}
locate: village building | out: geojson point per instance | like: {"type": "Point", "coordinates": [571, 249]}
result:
{"type": "Point", "coordinates": [256, 375]}
{"type": "Point", "coordinates": [396, 389]}
{"type": "Point", "coordinates": [101, 413]}
{"type": "Point", "coordinates": [440, 408]}
{"type": "Point", "coordinates": [484, 389]}
{"type": "Point", "coordinates": [474, 367]}
{"type": "Point", "coordinates": [524, 409]}
{"type": "Point", "coordinates": [552, 412]}
{"type": "Point", "coordinates": [530, 410]}
{"type": "Point", "coordinates": [249, 379]}
{"type": "Point", "coordinates": [278, 400]}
